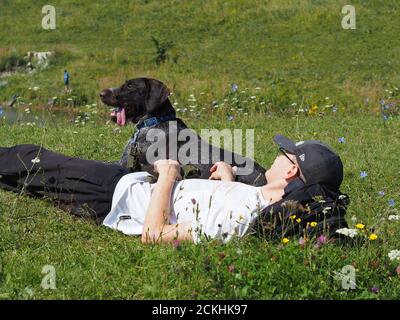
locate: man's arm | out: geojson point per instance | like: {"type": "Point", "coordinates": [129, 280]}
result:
{"type": "Point", "coordinates": [156, 227]}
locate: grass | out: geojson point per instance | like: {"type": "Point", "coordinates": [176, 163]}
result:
{"type": "Point", "coordinates": [298, 73]}
{"type": "Point", "coordinates": [93, 262]}
{"type": "Point", "coordinates": [294, 50]}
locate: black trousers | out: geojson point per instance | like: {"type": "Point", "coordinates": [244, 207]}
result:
{"type": "Point", "coordinates": [81, 187]}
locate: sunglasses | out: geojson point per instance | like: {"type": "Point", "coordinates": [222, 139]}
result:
{"type": "Point", "coordinates": [287, 157]}
{"type": "Point", "coordinates": [285, 154]}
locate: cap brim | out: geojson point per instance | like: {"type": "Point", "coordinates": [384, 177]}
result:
{"type": "Point", "coordinates": [284, 143]}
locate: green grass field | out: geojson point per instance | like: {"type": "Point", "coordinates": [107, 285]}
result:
{"type": "Point", "coordinates": [298, 73]}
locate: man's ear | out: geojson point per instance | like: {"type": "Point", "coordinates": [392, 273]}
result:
{"type": "Point", "coordinates": [156, 94]}
{"type": "Point", "coordinates": [293, 172]}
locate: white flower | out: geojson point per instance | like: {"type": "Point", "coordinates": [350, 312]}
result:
{"type": "Point", "coordinates": [35, 160]}
{"type": "Point", "coordinates": [354, 219]}
{"type": "Point", "coordinates": [394, 217]}
{"type": "Point", "coordinates": [348, 232]}
{"type": "Point", "coordinates": [35, 88]}
{"type": "Point", "coordinates": [394, 255]}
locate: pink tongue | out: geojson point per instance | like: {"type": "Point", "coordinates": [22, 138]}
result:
{"type": "Point", "coordinates": [121, 118]}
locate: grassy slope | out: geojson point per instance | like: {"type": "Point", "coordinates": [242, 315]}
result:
{"type": "Point", "coordinates": [290, 49]}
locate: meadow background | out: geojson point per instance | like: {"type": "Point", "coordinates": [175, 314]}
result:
{"type": "Point", "coordinates": [276, 66]}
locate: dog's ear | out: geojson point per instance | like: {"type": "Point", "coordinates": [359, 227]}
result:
{"type": "Point", "coordinates": [156, 94]}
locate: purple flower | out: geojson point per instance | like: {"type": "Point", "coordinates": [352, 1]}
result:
{"type": "Point", "coordinates": [381, 193]}
{"type": "Point", "coordinates": [230, 118]}
{"type": "Point", "coordinates": [322, 240]}
{"type": "Point", "coordinates": [375, 290]}
{"type": "Point", "coordinates": [341, 140]}
{"type": "Point", "coordinates": [363, 174]}
{"type": "Point", "coordinates": [234, 87]}
{"type": "Point", "coordinates": [391, 203]}
{"type": "Point", "coordinates": [176, 244]}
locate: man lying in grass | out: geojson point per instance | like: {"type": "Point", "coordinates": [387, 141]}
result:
{"type": "Point", "coordinates": [170, 209]}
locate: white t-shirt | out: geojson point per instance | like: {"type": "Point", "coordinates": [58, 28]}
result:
{"type": "Point", "coordinates": [216, 209]}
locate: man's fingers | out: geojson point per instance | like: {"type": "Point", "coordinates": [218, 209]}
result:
{"type": "Point", "coordinates": [213, 168]}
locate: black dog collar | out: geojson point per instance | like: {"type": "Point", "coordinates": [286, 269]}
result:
{"type": "Point", "coordinates": [151, 122]}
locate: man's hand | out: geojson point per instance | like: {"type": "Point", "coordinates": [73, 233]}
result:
{"type": "Point", "coordinates": [222, 171]}
{"type": "Point", "coordinates": [169, 169]}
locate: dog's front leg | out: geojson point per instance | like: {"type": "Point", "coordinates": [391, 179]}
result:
{"type": "Point", "coordinates": [124, 158]}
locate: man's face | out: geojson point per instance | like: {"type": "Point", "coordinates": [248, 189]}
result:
{"type": "Point", "coordinates": [282, 168]}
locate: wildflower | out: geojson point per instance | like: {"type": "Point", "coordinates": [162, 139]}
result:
{"type": "Point", "coordinates": [354, 219]}
{"type": "Point", "coordinates": [375, 290]}
{"type": "Point", "coordinates": [381, 193]}
{"type": "Point", "coordinates": [35, 160]}
{"type": "Point", "coordinates": [285, 240]}
{"type": "Point", "coordinates": [360, 226]}
{"type": "Point", "coordinates": [394, 255]}
{"type": "Point", "coordinates": [231, 268]}
{"type": "Point", "coordinates": [347, 232]}
{"type": "Point", "coordinates": [302, 241]}
{"type": "Point", "coordinates": [391, 203]}
{"type": "Point", "coordinates": [230, 118]}
{"type": "Point", "coordinates": [394, 217]}
{"type": "Point", "coordinates": [292, 217]}
{"type": "Point", "coordinates": [35, 88]}
{"type": "Point", "coordinates": [363, 174]}
{"type": "Point", "coordinates": [176, 244]}
{"type": "Point", "coordinates": [193, 200]}
{"type": "Point", "coordinates": [341, 140]}
{"type": "Point", "coordinates": [373, 237]}
{"type": "Point", "coordinates": [234, 87]}
{"type": "Point", "coordinates": [385, 117]}
{"type": "Point", "coordinates": [313, 224]}
{"type": "Point", "coordinates": [334, 109]}
{"type": "Point", "coordinates": [321, 240]}
{"type": "Point", "coordinates": [398, 270]}
{"type": "Point", "coordinates": [313, 110]}
{"type": "Point", "coordinates": [298, 220]}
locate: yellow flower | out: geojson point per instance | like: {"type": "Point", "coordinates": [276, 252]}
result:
{"type": "Point", "coordinates": [313, 110]}
{"type": "Point", "coordinates": [285, 240]}
{"type": "Point", "coordinates": [313, 224]}
{"type": "Point", "coordinates": [360, 226]}
{"type": "Point", "coordinates": [373, 237]}
{"type": "Point", "coordinates": [292, 217]}
{"type": "Point", "coordinates": [298, 220]}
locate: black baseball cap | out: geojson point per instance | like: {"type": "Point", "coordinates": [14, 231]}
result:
{"type": "Point", "coordinates": [317, 161]}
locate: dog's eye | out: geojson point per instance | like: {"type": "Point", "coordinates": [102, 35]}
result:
{"type": "Point", "coordinates": [130, 86]}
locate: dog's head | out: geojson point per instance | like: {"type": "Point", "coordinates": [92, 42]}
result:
{"type": "Point", "coordinates": [134, 99]}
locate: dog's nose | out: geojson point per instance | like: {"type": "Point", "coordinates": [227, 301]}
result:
{"type": "Point", "coordinates": [104, 93]}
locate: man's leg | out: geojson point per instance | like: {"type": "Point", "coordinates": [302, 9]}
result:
{"type": "Point", "coordinates": [83, 187]}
